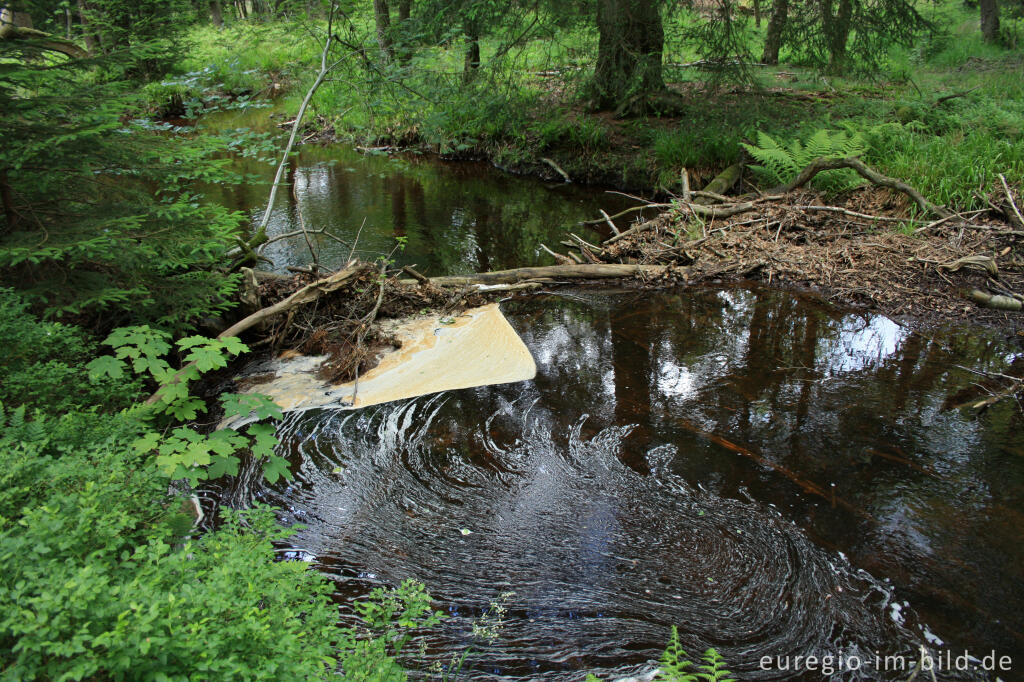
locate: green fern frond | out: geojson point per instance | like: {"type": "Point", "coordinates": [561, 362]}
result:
{"type": "Point", "coordinates": [714, 668]}
{"type": "Point", "coordinates": [673, 661]}
{"type": "Point", "coordinates": [777, 164]}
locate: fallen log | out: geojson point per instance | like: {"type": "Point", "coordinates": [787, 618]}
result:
{"type": "Point", "coordinates": [584, 271]}
{"type": "Point", "coordinates": [724, 181]}
{"type": "Point", "coordinates": [994, 301]}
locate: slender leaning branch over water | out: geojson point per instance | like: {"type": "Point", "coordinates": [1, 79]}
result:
{"type": "Point", "coordinates": [325, 69]}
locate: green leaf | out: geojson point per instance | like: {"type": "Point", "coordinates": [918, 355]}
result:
{"type": "Point", "coordinates": [264, 439]}
{"type": "Point", "coordinates": [191, 342]}
{"type": "Point", "coordinates": [186, 410]}
{"type": "Point", "coordinates": [147, 443]}
{"type": "Point", "coordinates": [244, 404]}
{"type": "Point", "coordinates": [234, 345]}
{"type": "Point", "coordinates": [105, 365]}
{"type": "Point", "coordinates": [207, 358]}
{"type": "Point", "coordinates": [223, 465]}
{"type": "Point", "coordinates": [276, 467]}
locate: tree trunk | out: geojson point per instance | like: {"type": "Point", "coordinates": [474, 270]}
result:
{"type": "Point", "coordinates": [472, 60]}
{"type": "Point", "coordinates": [836, 27]}
{"type": "Point", "coordinates": [7, 199]}
{"type": "Point", "coordinates": [382, 17]}
{"type": "Point", "coordinates": [216, 14]}
{"type": "Point", "coordinates": [989, 20]}
{"type": "Point", "coordinates": [757, 13]}
{"type": "Point", "coordinates": [629, 50]}
{"type": "Point", "coordinates": [91, 41]}
{"type": "Point", "coordinates": [405, 47]}
{"type": "Point", "coordinates": [776, 27]}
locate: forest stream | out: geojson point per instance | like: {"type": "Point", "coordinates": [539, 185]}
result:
{"type": "Point", "coordinates": [774, 476]}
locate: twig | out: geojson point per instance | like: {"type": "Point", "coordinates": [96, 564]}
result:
{"type": "Point", "coordinates": [556, 167]}
{"type": "Point", "coordinates": [583, 242]}
{"type": "Point", "coordinates": [305, 234]}
{"type": "Point", "coordinates": [364, 327]}
{"type": "Point", "coordinates": [407, 269]}
{"type": "Point", "coordinates": [852, 214]}
{"type": "Point", "coordinates": [557, 256]}
{"type": "Point", "coordinates": [299, 233]}
{"type": "Point", "coordinates": [356, 242]}
{"type": "Point", "coordinates": [702, 194]}
{"type": "Point", "coordinates": [630, 196]}
{"type": "Point", "coordinates": [631, 209]}
{"type": "Point", "coordinates": [940, 221]}
{"type": "Point", "coordinates": [1009, 197]}
{"type": "Point", "coordinates": [608, 220]}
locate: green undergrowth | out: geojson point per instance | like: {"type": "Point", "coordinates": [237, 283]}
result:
{"type": "Point", "coordinates": [102, 575]}
{"type": "Point", "coordinates": [515, 111]}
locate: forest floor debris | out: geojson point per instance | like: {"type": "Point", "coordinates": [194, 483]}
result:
{"type": "Point", "coordinates": [864, 249]}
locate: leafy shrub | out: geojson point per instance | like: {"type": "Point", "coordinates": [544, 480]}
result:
{"type": "Point", "coordinates": [778, 163]}
{"type": "Point", "coordinates": [42, 364]}
{"type": "Point", "coordinates": [185, 453]}
{"type": "Point", "coordinates": [94, 582]}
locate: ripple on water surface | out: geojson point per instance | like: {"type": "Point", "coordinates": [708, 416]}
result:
{"type": "Point", "coordinates": [672, 465]}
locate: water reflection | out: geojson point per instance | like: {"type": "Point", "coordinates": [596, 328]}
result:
{"type": "Point", "coordinates": [454, 217]}
{"type": "Point", "coordinates": [708, 459]}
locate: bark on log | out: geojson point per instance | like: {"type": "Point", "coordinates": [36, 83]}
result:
{"type": "Point", "coordinates": [724, 181]}
{"type": "Point", "coordinates": [996, 302]}
{"type": "Point", "coordinates": [585, 271]}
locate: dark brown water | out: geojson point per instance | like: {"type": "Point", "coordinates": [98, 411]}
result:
{"type": "Point", "coordinates": [772, 476]}
{"type": "Point", "coordinates": [453, 217]}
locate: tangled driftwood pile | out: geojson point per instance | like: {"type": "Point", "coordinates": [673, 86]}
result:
{"type": "Point", "coordinates": [864, 250]}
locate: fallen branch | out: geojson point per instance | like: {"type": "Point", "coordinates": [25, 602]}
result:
{"type": "Point", "coordinates": [408, 269]}
{"type": "Point", "coordinates": [259, 239]}
{"type": "Point", "coordinates": [962, 93]}
{"type": "Point", "coordinates": [608, 220]}
{"type": "Point", "coordinates": [586, 271]}
{"type": "Point", "coordinates": [1009, 197]}
{"type": "Point", "coordinates": [853, 214]}
{"type": "Point", "coordinates": [564, 260]}
{"type": "Point", "coordinates": [556, 167]}
{"type": "Point", "coordinates": [823, 164]}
